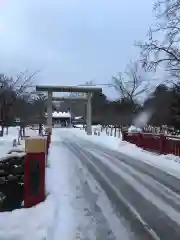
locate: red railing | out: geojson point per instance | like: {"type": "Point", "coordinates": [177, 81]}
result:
{"type": "Point", "coordinates": [154, 142]}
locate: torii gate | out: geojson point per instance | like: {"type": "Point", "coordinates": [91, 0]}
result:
{"type": "Point", "coordinates": [70, 99]}
{"type": "Point", "coordinates": [88, 90]}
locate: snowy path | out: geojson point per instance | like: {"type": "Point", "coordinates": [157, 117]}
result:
{"type": "Point", "coordinates": [78, 213]}
{"type": "Point", "coordinates": [151, 194]}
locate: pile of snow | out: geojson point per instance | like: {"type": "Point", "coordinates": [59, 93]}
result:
{"type": "Point", "coordinates": [32, 223]}
{"type": "Point", "coordinates": [77, 118]}
{"type": "Point", "coordinates": [96, 129]}
{"type": "Point", "coordinates": [133, 128]}
{"type": "Point", "coordinates": [7, 140]}
{"type": "Point", "coordinates": [168, 163]}
{"type": "Point", "coordinates": [78, 125]}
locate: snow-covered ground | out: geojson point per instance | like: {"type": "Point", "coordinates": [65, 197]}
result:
{"type": "Point", "coordinates": [168, 163]}
{"type": "Point", "coordinates": [74, 136]}
{"type": "Point", "coordinates": [82, 209]}
{"type": "Point", "coordinates": [73, 209]}
{"type": "Point", "coordinates": [66, 185]}
{"type": "Point", "coordinates": [25, 224]}
{"type": "Point", "coordinates": [6, 142]}
{"type": "Point", "coordinates": [110, 131]}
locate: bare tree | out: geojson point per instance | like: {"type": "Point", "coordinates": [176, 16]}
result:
{"type": "Point", "coordinates": [77, 108]}
{"type": "Point", "coordinates": [10, 90]}
{"type": "Point", "coordinates": [39, 107]}
{"type": "Point", "coordinates": [132, 83]}
{"type": "Point", "coordinates": [162, 47]}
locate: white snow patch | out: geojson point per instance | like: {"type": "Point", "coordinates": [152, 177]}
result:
{"type": "Point", "coordinates": [27, 224]}
{"type": "Point", "coordinates": [132, 128]}
{"type": "Point", "coordinates": [70, 218]}
{"type": "Point", "coordinates": [56, 114]}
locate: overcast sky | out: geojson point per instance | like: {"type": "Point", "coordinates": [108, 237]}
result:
{"type": "Point", "coordinates": [71, 41]}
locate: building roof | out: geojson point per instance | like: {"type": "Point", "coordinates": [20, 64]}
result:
{"type": "Point", "coordinates": [60, 114]}
{"type": "Point", "coordinates": [77, 118]}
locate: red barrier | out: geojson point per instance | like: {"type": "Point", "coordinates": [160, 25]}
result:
{"type": "Point", "coordinates": [154, 142]}
{"type": "Point", "coordinates": [34, 179]}
{"type": "Point", "coordinates": [34, 172]}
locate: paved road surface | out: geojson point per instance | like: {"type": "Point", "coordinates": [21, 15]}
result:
{"type": "Point", "coordinates": [78, 213]}
{"type": "Point", "coordinates": [148, 198]}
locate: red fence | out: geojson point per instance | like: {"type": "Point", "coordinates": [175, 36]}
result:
{"type": "Point", "coordinates": [157, 143]}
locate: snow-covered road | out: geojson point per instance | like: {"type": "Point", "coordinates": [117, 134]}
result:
{"type": "Point", "coordinates": [78, 212]}
{"type": "Point", "coordinates": [103, 194]}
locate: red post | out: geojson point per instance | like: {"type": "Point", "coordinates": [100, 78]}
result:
{"type": "Point", "coordinates": [34, 172]}
{"type": "Point", "coordinates": [162, 144]}
{"type": "Point", "coordinates": [140, 140]}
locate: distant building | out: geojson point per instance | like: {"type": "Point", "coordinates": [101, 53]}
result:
{"type": "Point", "coordinates": [61, 119]}
{"type": "Point", "coordinates": [78, 120]}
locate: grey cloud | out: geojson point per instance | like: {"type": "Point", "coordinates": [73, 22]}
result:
{"type": "Point", "coordinates": [71, 41]}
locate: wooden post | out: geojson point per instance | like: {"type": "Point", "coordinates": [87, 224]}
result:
{"type": "Point", "coordinates": [111, 131]}
{"type": "Point", "coordinates": [48, 132]}
{"type": "Point", "coordinates": [123, 133]}
{"type": "Point", "coordinates": [115, 131]}
{"type": "Point", "coordinates": [34, 171]}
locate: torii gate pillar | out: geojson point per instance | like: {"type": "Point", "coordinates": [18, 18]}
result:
{"type": "Point", "coordinates": [49, 110]}
{"type": "Point", "coordinates": [89, 116]}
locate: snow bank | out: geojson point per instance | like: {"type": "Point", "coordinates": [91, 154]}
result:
{"type": "Point", "coordinates": [168, 163]}
{"type": "Point", "coordinates": [27, 224]}
{"type": "Point", "coordinates": [133, 128]}
{"type": "Point", "coordinates": [7, 140]}
{"type": "Point", "coordinates": [109, 141]}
